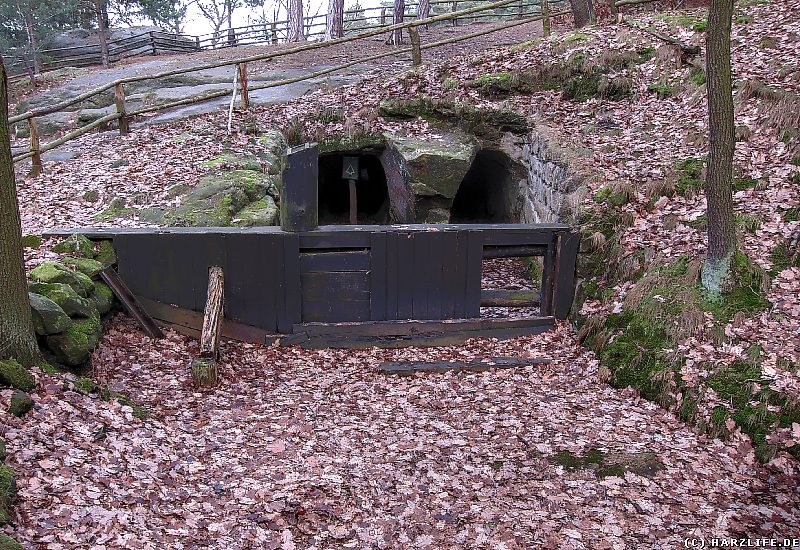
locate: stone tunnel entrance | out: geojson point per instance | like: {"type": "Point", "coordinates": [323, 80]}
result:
{"type": "Point", "coordinates": [488, 192]}
{"type": "Point", "coordinates": [334, 191]}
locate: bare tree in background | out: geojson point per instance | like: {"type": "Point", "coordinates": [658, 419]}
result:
{"type": "Point", "coordinates": [583, 10]}
{"type": "Point", "coordinates": [296, 30]}
{"type": "Point", "coordinates": [216, 13]}
{"type": "Point", "coordinates": [399, 11]}
{"type": "Point", "coordinates": [334, 27]}
{"type": "Point", "coordinates": [717, 270]}
{"type": "Point", "coordinates": [101, 15]}
{"type": "Point", "coordinates": [424, 9]}
{"type": "Point", "coordinates": [17, 339]}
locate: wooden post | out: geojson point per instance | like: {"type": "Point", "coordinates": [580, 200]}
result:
{"type": "Point", "coordinates": [353, 203]}
{"type": "Point", "coordinates": [416, 51]}
{"type": "Point", "coordinates": [273, 29]}
{"type": "Point", "coordinates": [36, 160]}
{"type": "Point", "coordinates": [197, 42]}
{"type": "Point", "coordinates": [119, 99]}
{"type": "Point", "coordinates": [242, 68]}
{"type": "Point", "coordinates": [520, 9]}
{"type": "Point", "coordinates": [204, 368]}
{"type": "Point", "coordinates": [545, 18]}
{"type": "Point", "coordinates": [383, 17]}
{"type": "Point", "coordinates": [153, 43]}
{"type": "Point", "coordinates": [454, 9]}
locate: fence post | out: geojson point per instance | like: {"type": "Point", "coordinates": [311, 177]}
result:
{"type": "Point", "coordinates": [545, 18]}
{"type": "Point", "coordinates": [242, 68]}
{"type": "Point", "coordinates": [153, 43]}
{"type": "Point", "coordinates": [197, 42]}
{"type": "Point", "coordinates": [520, 10]}
{"type": "Point", "coordinates": [36, 160]}
{"type": "Point", "coordinates": [416, 51]}
{"type": "Point", "coordinates": [383, 17]}
{"type": "Point", "coordinates": [274, 32]}
{"type": "Point", "coordinates": [454, 9]}
{"type": "Point", "coordinates": [119, 99]}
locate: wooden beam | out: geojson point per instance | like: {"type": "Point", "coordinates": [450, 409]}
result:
{"type": "Point", "coordinates": [546, 18]}
{"type": "Point", "coordinates": [518, 251]}
{"type": "Point", "coordinates": [122, 110]}
{"type": "Point", "coordinates": [477, 365]}
{"type": "Point", "coordinates": [509, 298]}
{"type": "Point", "coordinates": [205, 372]}
{"type": "Point", "coordinates": [242, 68]}
{"type": "Point", "coordinates": [416, 52]}
{"type": "Point", "coordinates": [35, 148]}
{"type": "Point", "coordinates": [123, 293]}
{"type": "Point", "coordinates": [353, 203]}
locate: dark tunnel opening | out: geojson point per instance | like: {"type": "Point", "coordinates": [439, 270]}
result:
{"type": "Point", "coordinates": [488, 191]}
{"type": "Point", "coordinates": [334, 190]}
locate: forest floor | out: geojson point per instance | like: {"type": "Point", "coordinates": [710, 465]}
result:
{"type": "Point", "coordinates": [317, 449]}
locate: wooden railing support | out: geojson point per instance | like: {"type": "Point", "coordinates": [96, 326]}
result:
{"type": "Point", "coordinates": [416, 51]}
{"type": "Point", "coordinates": [122, 109]}
{"type": "Point", "coordinates": [545, 18]}
{"type": "Point", "coordinates": [242, 68]}
{"type": "Point", "coordinates": [454, 8]}
{"type": "Point", "coordinates": [204, 369]}
{"type": "Point", "coordinates": [35, 147]}
{"type": "Point", "coordinates": [383, 17]}
{"type": "Point", "coordinates": [153, 43]}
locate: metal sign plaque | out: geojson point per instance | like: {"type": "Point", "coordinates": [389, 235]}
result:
{"type": "Point", "coordinates": [350, 168]}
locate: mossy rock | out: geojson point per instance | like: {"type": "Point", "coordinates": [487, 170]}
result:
{"type": "Point", "coordinates": [102, 299]}
{"type": "Point", "coordinates": [106, 254]}
{"type": "Point", "coordinates": [66, 298]}
{"type": "Point", "coordinates": [229, 160]}
{"type": "Point", "coordinates": [3, 452]}
{"type": "Point", "coordinates": [8, 492]}
{"type": "Point", "coordinates": [6, 542]}
{"type": "Point", "coordinates": [21, 404]}
{"type": "Point", "coordinates": [31, 241]}
{"type": "Point", "coordinates": [55, 272]}
{"type": "Point", "coordinates": [15, 375]}
{"type": "Point", "coordinates": [77, 245]}
{"type": "Point", "coordinates": [90, 268]}
{"type": "Point", "coordinates": [74, 346]}
{"type": "Point", "coordinates": [260, 213]}
{"type": "Point", "coordinates": [48, 317]}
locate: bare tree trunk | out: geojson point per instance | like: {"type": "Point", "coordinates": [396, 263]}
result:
{"type": "Point", "coordinates": [335, 22]}
{"type": "Point", "coordinates": [719, 195]}
{"type": "Point", "coordinates": [424, 9]}
{"type": "Point", "coordinates": [296, 21]}
{"type": "Point", "coordinates": [101, 31]}
{"type": "Point", "coordinates": [32, 43]}
{"type": "Point", "coordinates": [583, 10]}
{"type": "Point", "coordinates": [16, 327]}
{"type": "Point", "coordinates": [399, 12]}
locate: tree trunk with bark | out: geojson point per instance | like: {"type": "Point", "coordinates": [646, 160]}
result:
{"type": "Point", "coordinates": [101, 15]}
{"type": "Point", "coordinates": [583, 10]}
{"type": "Point", "coordinates": [719, 194]}
{"type": "Point", "coordinates": [335, 20]}
{"type": "Point", "coordinates": [399, 11]}
{"type": "Point", "coordinates": [296, 21]}
{"type": "Point", "coordinates": [17, 339]}
{"type": "Point", "coordinates": [424, 9]}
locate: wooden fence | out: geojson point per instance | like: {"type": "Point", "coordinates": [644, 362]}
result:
{"type": "Point", "coordinates": [124, 116]}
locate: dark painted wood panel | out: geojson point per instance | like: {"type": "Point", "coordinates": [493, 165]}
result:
{"type": "Point", "coordinates": [360, 239]}
{"type": "Point", "coordinates": [407, 277]}
{"type": "Point", "coordinates": [548, 266]}
{"type": "Point", "coordinates": [392, 276]}
{"type": "Point", "coordinates": [565, 290]}
{"type": "Point", "coordinates": [423, 275]}
{"type": "Point", "coordinates": [335, 286]}
{"type": "Point", "coordinates": [290, 308]}
{"type": "Point", "coordinates": [378, 278]}
{"type": "Point", "coordinates": [449, 289]}
{"type": "Point", "coordinates": [356, 260]}
{"type": "Point", "coordinates": [335, 311]}
{"type": "Point", "coordinates": [473, 268]}
{"type": "Point", "coordinates": [254, 280]}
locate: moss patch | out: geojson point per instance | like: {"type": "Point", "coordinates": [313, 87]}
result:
{"type": "Point", "coordinates": [15, 375]}
{"type": "Point", "coordinates": [88, 386]}
{"type": "Point", "coordinates": [610, 464]}
{"type": "Point", "coordinates": [690, 179]}
{"type": "Point", "coordinates": [8, 491]}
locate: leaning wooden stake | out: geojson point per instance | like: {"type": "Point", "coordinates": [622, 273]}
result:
{"type": "Point", "coordinates": [416, 51]}
{"type": "Point", "coordinates": [119, 100]}
{"type": "Point", "coordinates": [242, 68]}
{"type": "Point", "coordinates": [35, 147]}
{"type": "Point", "coordinates": [204, 368]}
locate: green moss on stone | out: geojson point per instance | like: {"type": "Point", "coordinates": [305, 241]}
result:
{"type": "Point", "coordinates": [6, 542]}
{"type": "Point", "coordinates": [102, 299]}
{"type": "Point", "coordinates": [609, 464]}
{"type": "Point", "coordinates": [48, 317]}
{"type": "Point", "coordinates": [106, 254]}
{"type": "Point", "coordinates": [31, 241]}
{"type": "Point", "coordinates": [54, 272]}
{"type": "Point", "coordinates": [74, 346]}
{"type": "Point", "coordinates": [21, 403]}
{"type": "Point", "coordinates": [77, 245]}
{"type": "Point", "coordinates": [90, 268]}
{"type": "Point", "coordinates": [8, 487]}
{"type": "Point", "coordinates": [65, 296]}
{"type": "Point", "coordinates": [15, 375]}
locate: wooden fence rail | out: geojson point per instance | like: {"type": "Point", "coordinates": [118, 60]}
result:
{"type": "Point", "coordinates": [124, 116]}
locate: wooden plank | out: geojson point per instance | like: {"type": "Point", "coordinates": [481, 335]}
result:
{"type": "Point", "coordinates": [355, 260]}
{"type": "Point", "coordinates": [570, 244]}
{"type": "Point", "coordinates": [473, 271]}
{"type": "Point", "coordinates": [516, 238]}
{"type": "Point", "coordinates": [335, 311]}
{"type": "Point", "coordinates": [190, 323]}
{"type": "Point", "coordinates": [548, 268]}
{"type": "Point", "coordinates": [409, 328]}
{"type": "Point", "coordinates": [205, 372]}
{"type": "Point", "coordinates": [123, 293]}
{"type": "Point", "coordinates": [509, 298]}
{"type": "Point", "coordinates": [335, 286]}
{"type": "Point", "coordinates": [517, 251]}
{"type": "Point", "coordinates": [378, 277]}
{"type": "Point", "coordinates": [290, 311]}
{"type": "Point", "coordinates": [478, 365]}
{"type": "Point", "coordinates": [449, 293]}
{"type": "Point", "coordinates": [422, 275]}
{"type": "Point", "coordinates": [254, 280]}
{"type": "Point", "coordinates": [406, 276]}
{"type": "Point", "coordinates": [436, 254]}
{"type": "Point", "coordinates": [392, 275]}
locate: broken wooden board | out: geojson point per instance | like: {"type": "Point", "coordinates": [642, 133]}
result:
{"type": "Point", "coordinates": [478, 365]}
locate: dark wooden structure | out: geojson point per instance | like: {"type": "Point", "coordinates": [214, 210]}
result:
{"type": "Point", "coordinates": [343, 286]}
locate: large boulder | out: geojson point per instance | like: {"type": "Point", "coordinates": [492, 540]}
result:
{"type": "Point", "coordinates": [229, 160]}
{"type": "Point", "coordinates": [260, 213]}
{"type": "Point", "coordinates": [66, 298]}
{"type": "Point", "coordinates": [435, 167]}
{"type": "Point", "coordinates": [54, 272]}
{"type": "Point", "coordinates": [15, 375]}
{"type": "Point", "coordinates": [74, 346]}
{"type": "Point", "coordinates": [106, 254]}
{"type": "Point", "coordinates": [48, 317]}
{"type": "Point", "coordinates": [76, 244]}
{"type": "Point", "coordinates": [87, 266]}
{"type": "Point", "coordinates": [21, 403]}
{"type": "Point", "coordinates": [102, 299]}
